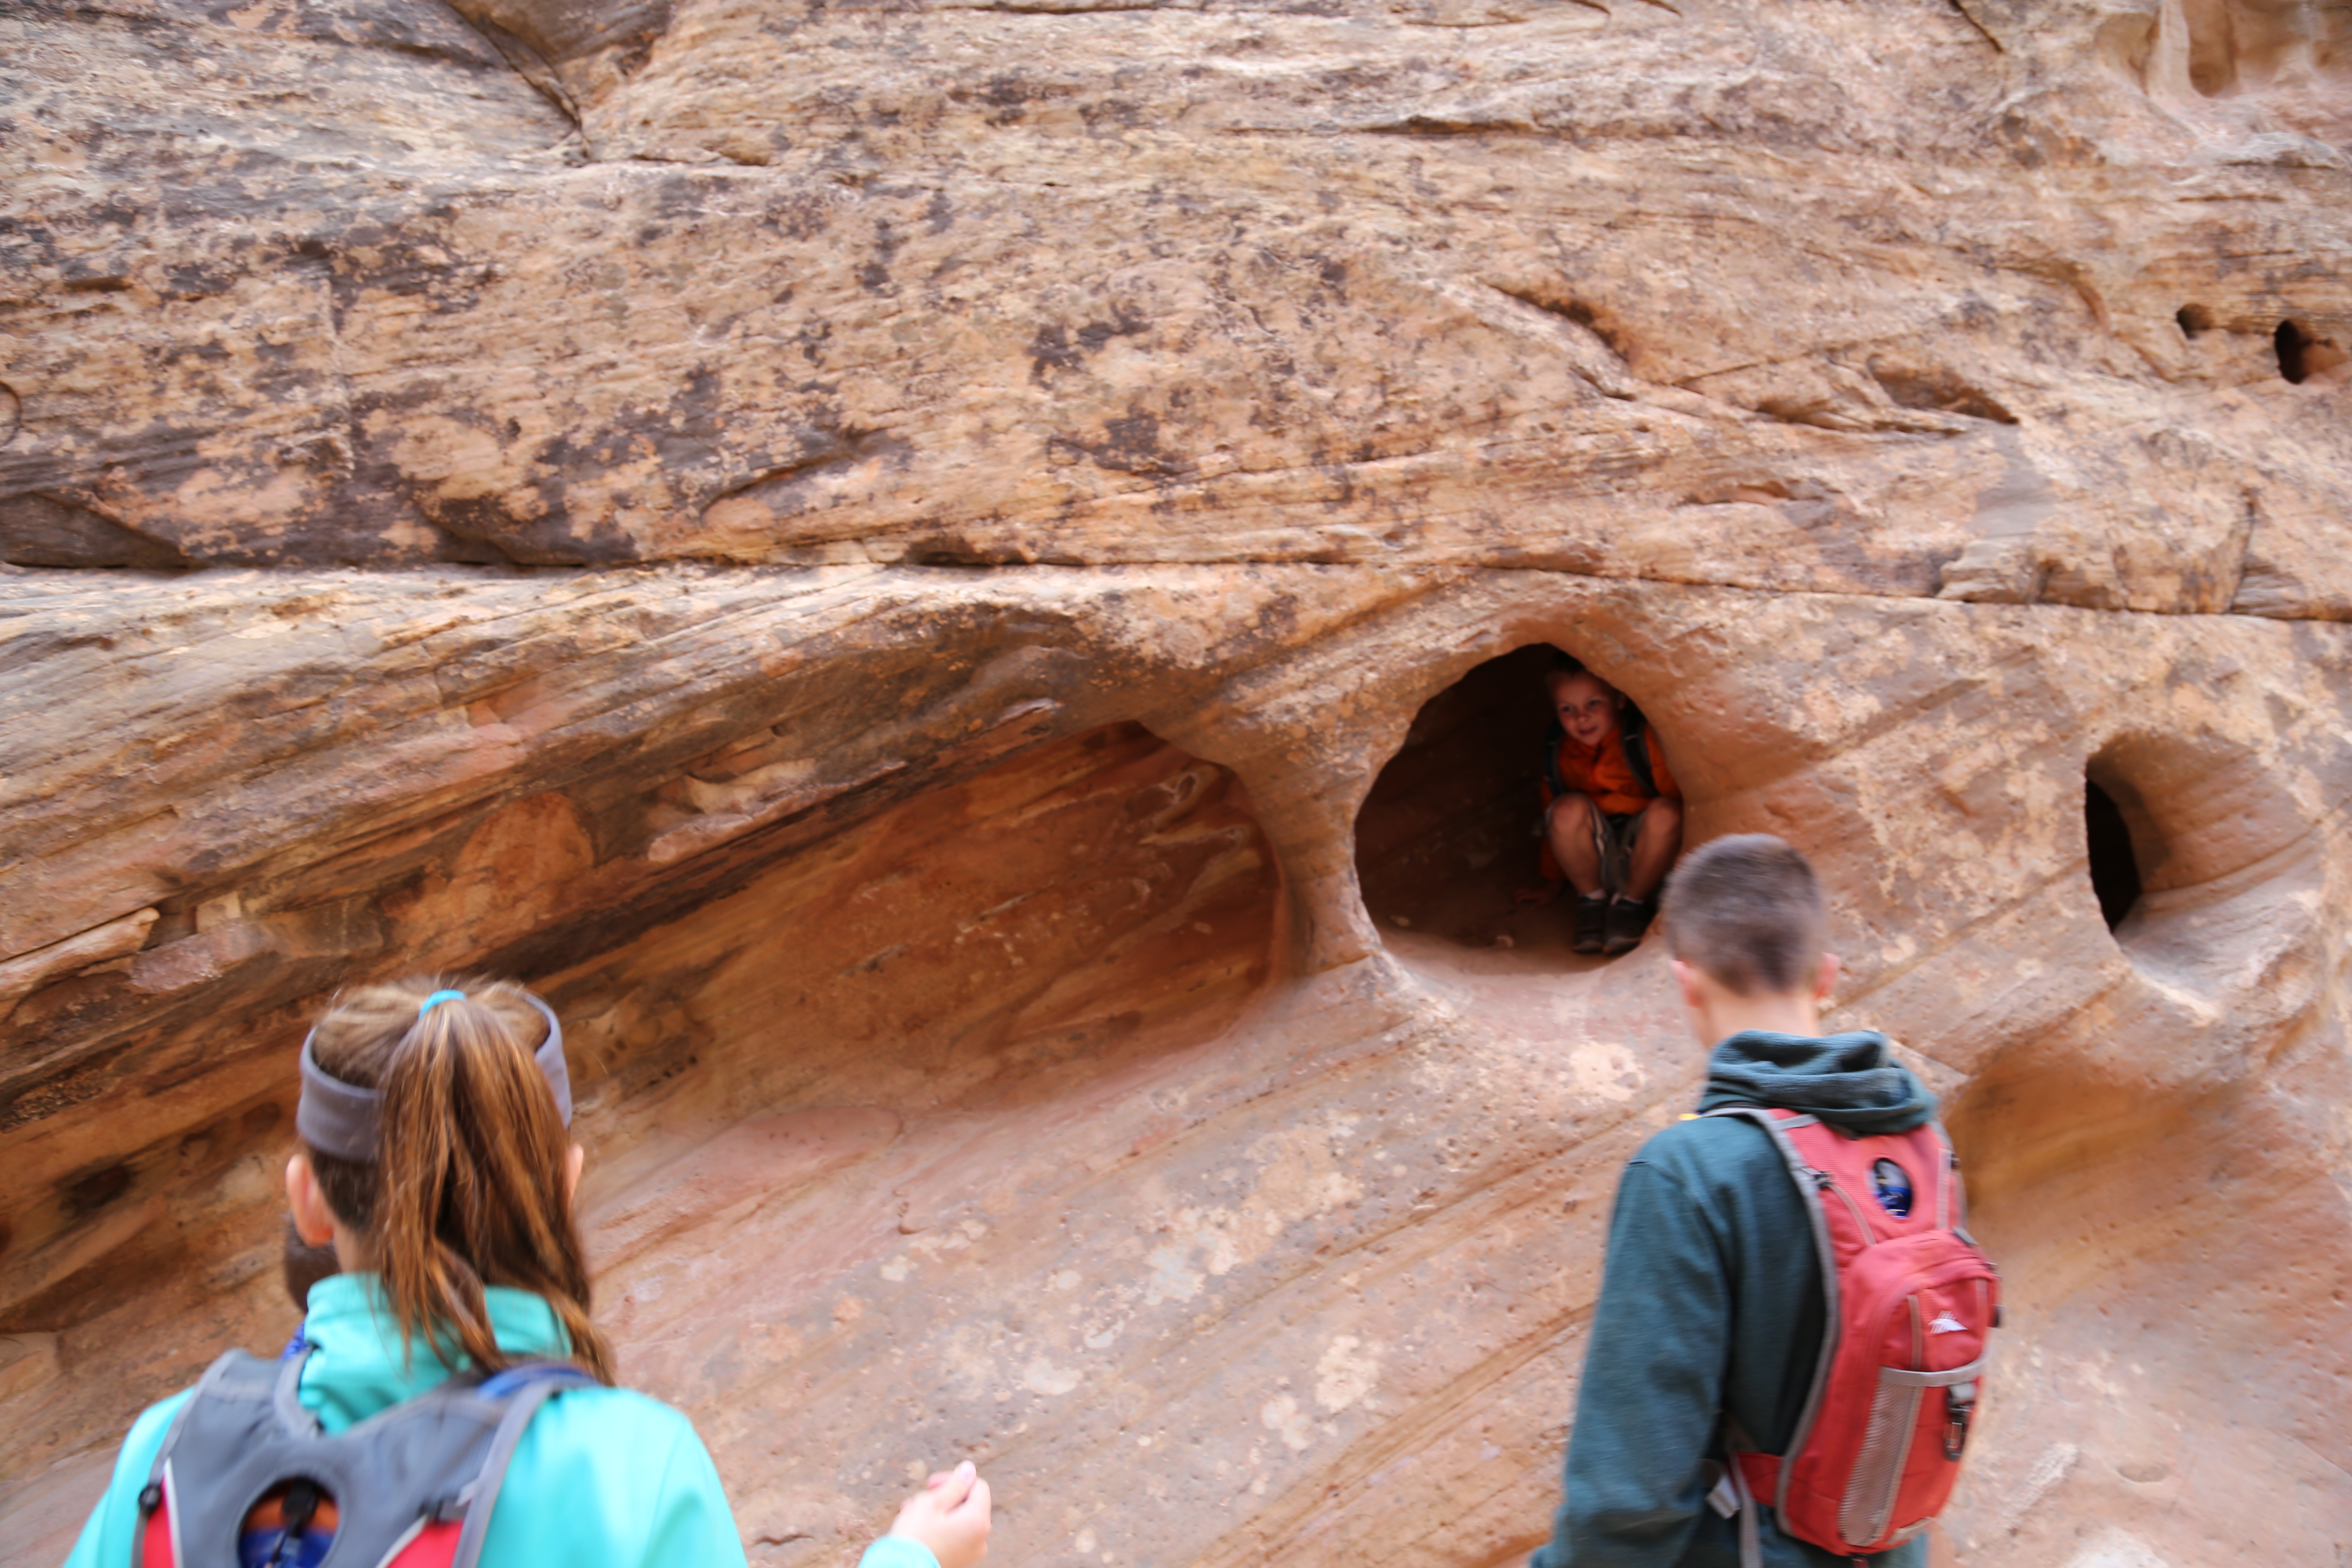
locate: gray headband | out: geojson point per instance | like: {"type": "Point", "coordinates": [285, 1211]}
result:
{"type": "Point", "coordinates": [346, 1121]}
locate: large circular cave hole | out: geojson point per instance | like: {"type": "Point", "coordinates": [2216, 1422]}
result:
{"type": "Point", "coordinates": [1449, 843]}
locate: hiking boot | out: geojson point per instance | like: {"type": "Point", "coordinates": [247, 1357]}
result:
{"type": "Point", "coordinates": [1627, 919]}
{"type": "Point", "coordinates": [1592, 922]}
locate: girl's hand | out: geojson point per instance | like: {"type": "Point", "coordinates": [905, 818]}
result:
{"type": "Point", "coordinates": [949, 1516]}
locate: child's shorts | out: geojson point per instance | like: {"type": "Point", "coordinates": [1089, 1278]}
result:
{"type": "Point", "coordinates": [1614, 837]}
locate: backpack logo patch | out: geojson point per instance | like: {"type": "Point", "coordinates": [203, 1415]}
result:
{"type": "Point", "coordinates": [1946, 1323]}
{"type": "Point", "coordinates": [1891, 1184]}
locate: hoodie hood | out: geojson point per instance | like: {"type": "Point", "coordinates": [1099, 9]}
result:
{"type": "Point", "coordinates": [1851, 1080]}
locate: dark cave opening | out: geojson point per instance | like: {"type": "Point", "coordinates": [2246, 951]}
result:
{"type": "Point", "coordinates": [2304, 353]}
{"type": "Point", "coordinates": [1449, 841]}
{"type": "Point", "coordinates": [2293, 344]}
{"type": "Point", "coordinates": [2115, 865]}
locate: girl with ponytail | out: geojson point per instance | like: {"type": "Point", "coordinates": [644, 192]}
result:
{"type": "Point", "coordinates": [437, 1160]}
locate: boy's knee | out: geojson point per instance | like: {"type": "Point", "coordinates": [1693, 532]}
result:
{"type": "Point", "coordinates": [1571, 810]}
{"type": "Point", "coordinates": [1663, 816]}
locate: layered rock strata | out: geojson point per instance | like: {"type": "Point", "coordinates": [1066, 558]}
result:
{"type": "Point", "coordinates": [956, 587]}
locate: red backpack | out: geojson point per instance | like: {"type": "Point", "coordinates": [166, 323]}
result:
{"type": "Point", "coordinates": [1911, 1301]}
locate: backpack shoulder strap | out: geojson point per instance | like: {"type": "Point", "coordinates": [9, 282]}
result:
{"type": "Point", "coordinates": [1809, 1197]}
{"type": "Point", "coordinates": [286, 1397]}
{"type": "Point", "coordinates": [234, 1379]}
{"type": "Point", "coordinates": [1632, 738]}
{"type": "Point", "coordinates": [1552, 775]}
{"type": "Point", "coordinates": [532, 1386]}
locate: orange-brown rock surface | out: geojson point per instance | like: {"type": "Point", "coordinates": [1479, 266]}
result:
{"type": "Point", "coordinates": [959, 585]}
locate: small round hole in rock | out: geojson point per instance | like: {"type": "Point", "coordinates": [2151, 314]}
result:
{"type": "Point", "coordinates": [2115, 868]}
{"type": "Point", "coordinates": [2193, 319]}
{"type": "Point", "coordinates": [2294, 343]}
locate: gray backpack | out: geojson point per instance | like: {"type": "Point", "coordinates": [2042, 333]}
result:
{"type": "Point", "coordinates": [247, 1477]}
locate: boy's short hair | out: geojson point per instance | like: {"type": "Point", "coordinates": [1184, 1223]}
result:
{"type": "Point", "coordinates": [1566, 667]}
{"type": "Point", "coordinates": [1747, 911]}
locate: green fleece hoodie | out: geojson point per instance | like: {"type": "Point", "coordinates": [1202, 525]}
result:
{"type": "Point", "coordinates": [1712, 1301]}
{"type": "Point", "coordinates": [604, 1478]}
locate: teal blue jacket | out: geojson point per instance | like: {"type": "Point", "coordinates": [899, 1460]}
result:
{"type": "Point", "coordinates": [604, 1478]}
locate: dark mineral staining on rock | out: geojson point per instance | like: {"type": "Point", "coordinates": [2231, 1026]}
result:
{"type": "Point", "coordinates": [1134, 439]}
{"type": "Point", "coordinates": [1094, 334]}
{"type": "Point", "coordinates": [37, 529]}
{"type": "Point", "coordinates": [1051, 349]}
{"type": "Point", "coordinates": [1056, 347]}
{"type": "Point", "coordinates": [87, 1193]}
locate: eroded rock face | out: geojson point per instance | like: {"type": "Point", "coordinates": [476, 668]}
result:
{"type": "Point", "coordinates": [961, 588]}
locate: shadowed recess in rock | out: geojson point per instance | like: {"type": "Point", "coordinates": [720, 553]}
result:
{"type": "Point", "coordinates": [42, 530]}
{"type": "Point", "coordinates": [2198, 857]}
{"type": "Point", "coordinates": [995, 943]}
{"type": "Point", "coordinates": [1446, 834]}
{"type": "Point", "coordinates": [799, 1068]}
{"type": "Point", "coordinates": [2151, 1256]}
{"type": "Point", "coordinates": [2115, 873]}
{"type": "Point", "coordinates": [2301, 353]}
{"type": "Point", "coordinates": [1450, 836]}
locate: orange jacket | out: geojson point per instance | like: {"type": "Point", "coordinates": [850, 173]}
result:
{"type": "Point", "coordinates": [1601, 772]}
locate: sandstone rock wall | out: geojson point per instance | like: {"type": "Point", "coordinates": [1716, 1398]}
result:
{"type": "Point", "coordinates": [888, 558]}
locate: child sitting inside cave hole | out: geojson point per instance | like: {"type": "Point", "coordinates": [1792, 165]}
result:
{"type": "Point", "coordinates": [1613, 821]}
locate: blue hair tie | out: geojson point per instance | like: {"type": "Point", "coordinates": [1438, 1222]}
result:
{"type": "Point", "coordinates": [436, 999]}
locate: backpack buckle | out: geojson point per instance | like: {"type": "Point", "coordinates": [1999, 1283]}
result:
{"type": "Point", "coordinates": [1960, 1403]}
{"type": "Point", "coordinates": [1723, 1495]}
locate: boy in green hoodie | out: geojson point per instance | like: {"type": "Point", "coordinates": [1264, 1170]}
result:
{"type": "Point", "coordinates": [1711, 1300]}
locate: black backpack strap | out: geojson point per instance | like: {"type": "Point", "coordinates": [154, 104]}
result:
{"type": "Point", "coordinates": [1633, 736]}
{"type": "Point", "coordinates": [539, 1383]}
{"type": "Point", "coordinates": [1552, 775]}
